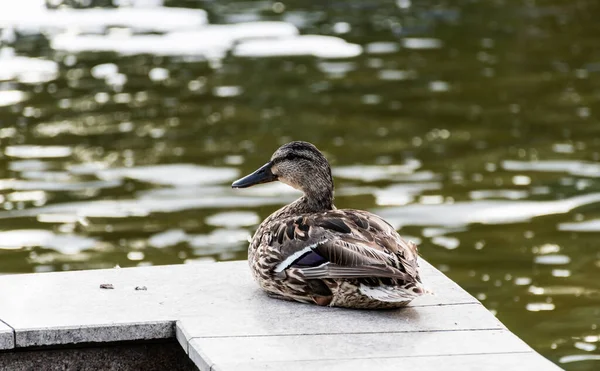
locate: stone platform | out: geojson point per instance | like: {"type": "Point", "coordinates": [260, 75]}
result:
{"type": "Point", "coordinates": [224, 322]}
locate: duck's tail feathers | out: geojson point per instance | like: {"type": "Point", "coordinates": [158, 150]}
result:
{"type": "Point", "coordinates": [392, 294]}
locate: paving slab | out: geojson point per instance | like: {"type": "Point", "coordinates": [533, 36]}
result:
{"type": "Point", "coordinates": [529, 361]}
{"type": "Point", "coordinates": [70, 307]}
{"type": "Point", "coordinates": [342, 346]}
{"type": "Point", "coordinates": [281, 318]}
{"type": "Point", "coordinates": [444, 291]}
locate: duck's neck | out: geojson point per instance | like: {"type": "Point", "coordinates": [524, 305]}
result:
{"type": "Point", "coordinates": [308, 204]}
{"type": "Point", "coordinates": [313, 204]}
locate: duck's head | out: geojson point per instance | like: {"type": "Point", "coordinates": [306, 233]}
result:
{"type": "Point", "coordinates": [298, 164]}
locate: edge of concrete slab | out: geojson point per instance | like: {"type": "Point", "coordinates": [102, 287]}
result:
{"type": "Point", "coordinates": [36, 337]}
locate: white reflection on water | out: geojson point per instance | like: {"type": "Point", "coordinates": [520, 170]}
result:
{"type": "Point", "coordinates": [572, 167]}
{"type": "Point", "coordinates": [158, 74]}
{"type": "Point", "coordinates": [315, 45]}
{"type": "Point", "coordinates": [402, 194]}
{"type": "Point", "coordinates": [439, 86]}
{"type": "Point", "coordinates": [216, 242]}
{"type": "Point", "coordinates": [552, 259]}
{"type": "Point", "coordinates": [145, 206]}
{"type": "Point", "coordinates": [522, 281]}
{"type": "Point", "coordinates": [560, 290]}
{"type": "Point", "coordinates": [28, 151]}
{"type": "Point", "coordinates": [587, 226]}
{"type": "Point", "coordinates": [382, 47]}
{"type": "Point", "coordinates": [32, 16]}
{"type": "Point", "coordinates": [449, 243]}
{"type": "Point", "coordinates": [579, 358]}
{"type": "Point", "coordinates": [585, 346]}
{"type": "Point", "coordinates": [511, 194]}
{"type": "Point", "coordinates": [372, 173]}
{"type": "Point", "coordinates": [227, 91]}
{"type": "Point", "coordinates": [211, 41]}
{"type": "Point", "coordinates": [561, 273]}
{"type": "Point", "coordinates": [220, 237]}
{"type": "Point", "coordinates": [233, 219]}
{"type": "Point", "coordinates": [135, 255]}
{"type": "Point", "coordinates": [10, 97]}
{"type": "Point", "coordinates": [27, 165]}
{"type": "Point", "coordinates": [549, 248]}
{"type": "Point", "coordinates": [421, 43]}
{"type": "Point", "coordinates": [437, 231]}
{"type": "Point", "coordinates": [174, 175]}
{"type": "Point", "coordinates": [26, 70]}
{"type": "Point", "coordinates": [485, 212]}
{"type": "Point", "coordinates": [104, 70]}
{"type": "Point", "coordinates": [167, 238]}
{"type": "Point", "coordinates": [25, 185]}
{"type": "Point", "coordinates": [7, 132]}
{"type": "Point", "coordinates": [34, 196]}
{"type": "Point", "coordinates": [65, 244]}
{"type": "Point", "coordinates": [396, 75]}
{"type": "Point", "coordinates": [537, 307]}
{"type": "Point", "coordinates": [57, 218]}
{"type": "Point", "coordinates": [49, 176]}
{"type": "Point", "coordinates": [336, 69]}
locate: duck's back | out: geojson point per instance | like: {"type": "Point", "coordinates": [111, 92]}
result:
{"type": "Point", "coordinates": [348, 258]}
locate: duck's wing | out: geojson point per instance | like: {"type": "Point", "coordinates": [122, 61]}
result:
{"type": "Point", "coordinates": [343, 244]}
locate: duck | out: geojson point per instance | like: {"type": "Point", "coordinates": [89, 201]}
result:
{"type": "Point", "coordinates": [311, 252]}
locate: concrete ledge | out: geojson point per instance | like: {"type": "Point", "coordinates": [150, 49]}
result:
{"type": "Point", "coordinates": [224, 322]}
{"type": "Point", "coordinates": [42, 336]}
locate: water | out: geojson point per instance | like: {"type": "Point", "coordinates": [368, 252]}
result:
{"type": "Point", "coordinates": [470, 125]}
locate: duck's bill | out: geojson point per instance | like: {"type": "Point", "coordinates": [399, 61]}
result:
{"type": "Point", "coordinates": [262, 175]}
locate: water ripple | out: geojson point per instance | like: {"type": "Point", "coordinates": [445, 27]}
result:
{"type": "Point", "coordinates": [173, 175]}
{"type": "Point", "coordinates": [212, 41]}
{"type": "Point", "coordinates": [36, 152]}
{"type": "Point", "coordinates": [572, 167]}
{"type": "Point", "coordinates": [65, 244]}
{"type": "Point", "coordinates": [32, 16]}
{"type": "Point", "coordinates": [485, 212]}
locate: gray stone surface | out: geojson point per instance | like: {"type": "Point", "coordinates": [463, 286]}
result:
{"type": "Point", "coordinates": [223, 321]}
{"type": "Point", "coordinates": [284, 318]}
{"type": "Point", "coordinates": [70, 307]}
{"type": "Point", "coordinates": [529, 361]}
{"type": "Point", "coordinates": [342, 346]}
{"type": "Point", "coordinates": [7, 337]}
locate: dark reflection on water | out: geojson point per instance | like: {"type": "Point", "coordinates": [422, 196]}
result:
{"type": "Point", "coordinates": [471, 126]}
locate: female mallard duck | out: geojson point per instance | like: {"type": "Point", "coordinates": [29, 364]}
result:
{"type": "Point", "coordinates": [311, 252]}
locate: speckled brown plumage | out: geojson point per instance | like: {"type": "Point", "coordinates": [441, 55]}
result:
{"type": "Point", "coordinates": [311, 252]}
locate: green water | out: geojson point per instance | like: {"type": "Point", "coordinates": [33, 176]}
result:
{"type": "Point", "coordinates": [470, 125]}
